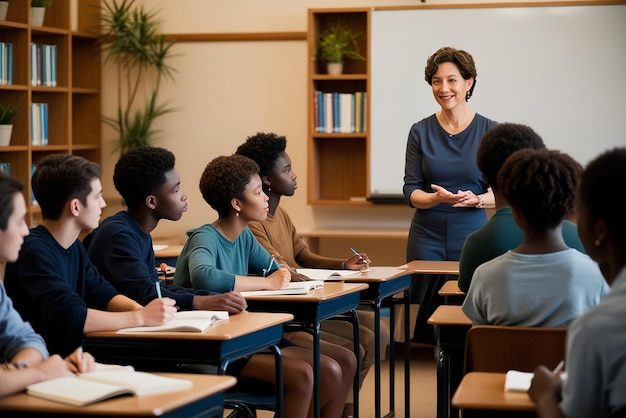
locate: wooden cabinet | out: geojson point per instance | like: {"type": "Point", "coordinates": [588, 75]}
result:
{"type": "Point", "coordinates": [337, 162]}
{"type": "Point", "coordinates": [73, 104]}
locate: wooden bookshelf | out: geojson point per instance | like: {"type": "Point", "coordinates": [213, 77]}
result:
{"type": "Point", "coordinates": [74, 105]}
{"type": "Point", "coordinates": [337, 162]}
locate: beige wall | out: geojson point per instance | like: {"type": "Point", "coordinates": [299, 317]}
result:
{"type": "Point", "coordinates": [225, 91]}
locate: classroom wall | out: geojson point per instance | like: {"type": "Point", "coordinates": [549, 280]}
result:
{"type": "Point", "coordinates": [225, 91]}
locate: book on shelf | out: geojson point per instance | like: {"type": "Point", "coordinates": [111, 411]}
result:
{"type": "Point", "coordinates": [5, 168]}
{"type": "Point", "coordinates": [96, 386]}
{"type": "Point", "coordinates": [184, 321]}
{"type": "Point", "coordinates": [326, 274]}
{"type": "Point", "coordinates": [293, 288]}
{"type": "Point", "coordinates": [6, 63]}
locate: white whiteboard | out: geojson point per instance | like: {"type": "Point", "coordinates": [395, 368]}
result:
{"type": "Point", "coordinates": [559, 69]}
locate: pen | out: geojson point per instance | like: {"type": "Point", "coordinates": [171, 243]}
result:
{"type": "Point", "coordinates": [558, 367]}
{"type": "Point", "coordinates": [360, 258]}
{"type": "Point", "coordinates": [354, 251]}
{"type": "Point", "coordinates": [158, 289]}
{"type": "Point", "coordinates": [266, 271]}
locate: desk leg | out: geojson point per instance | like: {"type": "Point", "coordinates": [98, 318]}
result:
{"type": "Point", "coordinates": [357, 352]}
{"type": "Point", "coordinates": [278, 360]}
{"type": "Point", "coordinates": [407, 354]}
{"type": "Point", "coordinates": [316, 370]}
{"type": "Point", "coordinates": [377, 356]}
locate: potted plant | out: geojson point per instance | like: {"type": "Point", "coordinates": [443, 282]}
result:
{"type": "Point", "coordinates": [4, 7]}
{"type": "Point", "coordinates": [336, 43]}
{"type": "Point", "coordinates": [7, 115]}
{"type": "Point", "coordinates": [133, 45]}
{"type": "Point", "coordinates": [38, 11]}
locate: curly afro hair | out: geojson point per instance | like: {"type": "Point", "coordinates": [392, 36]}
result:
{"type": "Point", "coordinates": [541, 184]}
{"type": "Point", "coordinates": [140, 172]}
{"type": "Point", "coordinates": [264, 149]}
{"type": "Point", "coordinates": [226, 178]}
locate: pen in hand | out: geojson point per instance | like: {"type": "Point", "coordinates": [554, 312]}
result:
{"type": "Point", "coordinates": [158, 289]}
{"type": "Point", "coordinates": [267, 271]}
{"type": "Point", "coordinates": [366, 261]}
{"type": "Point", "coordinates": [558, 367]}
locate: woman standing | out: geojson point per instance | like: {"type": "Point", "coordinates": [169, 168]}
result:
{"type": "Point", "coordinates": [441, 178]}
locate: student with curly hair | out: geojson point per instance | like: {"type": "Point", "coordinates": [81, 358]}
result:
{"type": "Point", "coordinates": [541, 282]}
{"type": "Point", "coordinates": [278, 235]}
{"type": "Point", "coordinates": [24, 358]}
{"type": "Point", "coordinates": [224, 255]}
{"type": "Point", "coordinates": [501, 233]}
{"type": "Point", "coordinates": [596, 341]}
{"type": "Point", "coordinates": [121, 247]}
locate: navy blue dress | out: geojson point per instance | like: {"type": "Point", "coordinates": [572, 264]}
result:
{"type": "Point", "coordinates": [435, 157]}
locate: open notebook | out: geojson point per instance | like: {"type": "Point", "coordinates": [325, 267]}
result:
{"type": "Point", "coordinates": [516, 381]}
{"type": "Point", "coordinates": [326, 274]}
{"type": "Point", "coordinates": [293, 288]}
{"type": "Point", "coordinates": [87, 388]}
{"type": "Point", "coordinates": [184, 321]}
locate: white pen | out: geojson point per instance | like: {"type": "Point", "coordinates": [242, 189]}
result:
{"type": "Point", "coordinates": [558, 367]}
{"type": "Point", "coordinates": [266, 272]}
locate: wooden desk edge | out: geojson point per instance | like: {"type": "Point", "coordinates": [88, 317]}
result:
{"type": "Point", "coordinates": [149, 405]}
{"type": "Point", "coordinates": [485, 391]}
{"type": "Point", "coordinates": [449, 315]}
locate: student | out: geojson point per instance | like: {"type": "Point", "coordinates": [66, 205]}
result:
{"type": "Point", "coordinates": [53, 284]}
{"type": "Point", "coordinates": [501, 233]}
{"type": "Point", "coordinates": [121, 247]}
{"type": "Point", "coordinates": [596, 341]}
{"type": "Point", "coordinates": [278, 235]}
{"type": "Point", "coordinates": [23, 354]}
{"type": "Point", "coordinates": [224, 256]}
{"type": "Point", "coordinates": [541, 282]}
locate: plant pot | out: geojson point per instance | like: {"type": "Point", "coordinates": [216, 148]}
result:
{"type": "Point", "coordinates": [36, 15]}
{"type": "Point", "coordinates": [5, 134]}
{"type": "Point", "coordinates": [334, 68]}
{"type": "Point", "coordinates": [4, 6]}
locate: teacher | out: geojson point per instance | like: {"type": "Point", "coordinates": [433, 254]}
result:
{"type": "Point", "coordinates": [441, 177]}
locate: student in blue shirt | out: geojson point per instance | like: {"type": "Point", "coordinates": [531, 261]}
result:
{"type": "Point", "coordinates": [23, 354]}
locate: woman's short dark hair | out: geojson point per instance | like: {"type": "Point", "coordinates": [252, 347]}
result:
{"type": "Point", "coordinates": [226, 178]}
{"type": "Point", "coordinates": [463, 61]}
{"type": "Point", "coordinates": [8, 188]}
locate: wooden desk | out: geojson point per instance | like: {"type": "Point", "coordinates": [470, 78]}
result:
{"type": "Point", "coordinates": [451, 293]}
{"type": "Point", "coordinates": [206, 397]}
{"type": "Point", "coordinates": [385, 282]}
{"type": "Point", "coordinates": [241, 335]}
{"type": "Point", "coordinates": [451, 326]}
{"type": "Point", "coordinates": [309, 311]}
{"type": "Point", "coordinates": [485, 391]}
{"type": "Point", "coordinates": [433, 267]}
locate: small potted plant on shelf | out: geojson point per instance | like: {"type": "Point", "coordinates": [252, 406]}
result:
{"type": "Point", "coordinates": [7, 115]}
{"type": "Point", "coordinates": [336, 43]}
{"type": "Point", "coordinates": [38, 11]}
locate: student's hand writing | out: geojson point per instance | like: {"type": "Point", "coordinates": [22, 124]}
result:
{"type": "Point", "coordinates": [79, 362]}
{"type": "Point", "coordinates": [278, 279]}
{"type": "Point", "coordinates": [232, 302]}
{"type": "Point", "coordinates": [358, 262]}
{"type": "Point", "coordinates": [158, 311]}
{"type": "Point", "coordinates": [545, 387]}
{"type": "Point", "coordinates": [53, 367]}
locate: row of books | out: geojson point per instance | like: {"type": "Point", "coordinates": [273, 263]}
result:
{"type": "Point", "coordinates": [39, 124]}
{"type": "Point", "coordinates": [43, 65]}
{"type": "Point", "coordinates": [6, 63]}
{"type": "Point", "coordinates": [339, 112]}
{"type": "Point", "coordinates": [6, 169]}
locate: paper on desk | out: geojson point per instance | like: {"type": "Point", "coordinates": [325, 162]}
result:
{"type": "Point", "coordinates": [517, 381]}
